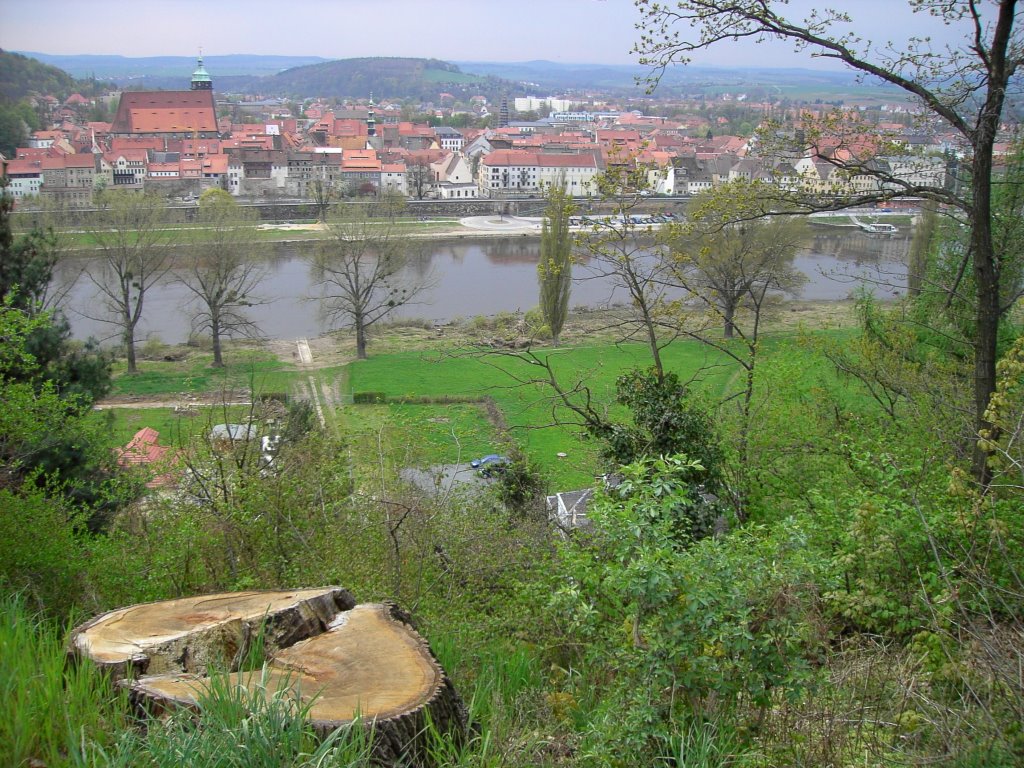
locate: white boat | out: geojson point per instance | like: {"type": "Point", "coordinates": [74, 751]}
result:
{"type": "Point", "coordinates": [879, 229]}
{"type": "Point", "coordinates": [875, 228]}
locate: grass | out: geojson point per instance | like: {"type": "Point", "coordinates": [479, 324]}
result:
{"type": "Point", "coordinates": [527, 408]}
{"type": "Point", "coordinates": [257, 369]}
{"type": "Point", "coordinates": [444, 434]}
{"type": "Point", "coordinates": [176, 429]}
{"type": "Point", "coordinates": [428, 434]}
{"type": "Point", "coordinates": [50, 714]}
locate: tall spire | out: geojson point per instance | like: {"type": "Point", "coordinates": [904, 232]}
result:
{"type": "Point", "coordinates": [371, 119]}
{"type": "Point", "coordinates": [201, 80]}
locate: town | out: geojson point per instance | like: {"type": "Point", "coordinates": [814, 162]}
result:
{"type": "Point", "coordinates": [179, 143]}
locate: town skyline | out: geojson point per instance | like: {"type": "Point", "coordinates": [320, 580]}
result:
{"type": "Point", "coordinates": [566, 31]}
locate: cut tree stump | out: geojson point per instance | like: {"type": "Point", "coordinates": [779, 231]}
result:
{"type": "Point", "coordinates": [193, 633]}
{"type": "Point", "coordinates": [364, 661]}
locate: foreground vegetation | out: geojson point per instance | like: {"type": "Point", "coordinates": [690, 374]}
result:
{"type": "Point", "coordinates": [863, 609]}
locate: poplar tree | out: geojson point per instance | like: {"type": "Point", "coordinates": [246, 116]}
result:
{"type": "Point", "coordinates": [554, 272]}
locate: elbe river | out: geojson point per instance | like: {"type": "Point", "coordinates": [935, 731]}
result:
{"type": "Point", "coordinates": [467, 278]}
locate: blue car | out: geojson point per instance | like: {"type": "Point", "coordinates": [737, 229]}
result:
{"type": "Point", "coordinates": [489, 464]}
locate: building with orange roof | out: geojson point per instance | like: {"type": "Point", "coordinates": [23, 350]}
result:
{"type": "Point", "coordinates": [24, 177]}
{"type": "Point", "coordinates": [166, 114]}
{"type": "Point", "coordinates": [169, 114]}
{"type": "Point", "coordinates": [145, 451]}
{"type": "Point", "coordinates": [128, 166]}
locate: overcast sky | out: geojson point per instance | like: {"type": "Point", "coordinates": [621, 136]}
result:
{"type": "Point", "coordinates": [570, 31]}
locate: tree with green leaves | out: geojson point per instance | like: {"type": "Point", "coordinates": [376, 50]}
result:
{"type": "Point", "coordinates": [27, 263]}
{"type": "Point", "coordinates": [222, 270]}
{"type": "Point", "coordinates": [134, 254]}
{"type": "Point", "coordinates": [728, 258]}
{"type": "Point", "coordinates": [964, 85]}
{"type": "Point", "coordinates": [554, 272]}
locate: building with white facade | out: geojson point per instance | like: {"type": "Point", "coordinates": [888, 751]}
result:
{"type": "Point", "coordinates": [512, 171]}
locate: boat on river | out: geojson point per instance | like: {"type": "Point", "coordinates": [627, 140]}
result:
{"type": "Point", "coordinates": [874, 228]}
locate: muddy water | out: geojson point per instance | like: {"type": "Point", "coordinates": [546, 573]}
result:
{"type": "Point", "coordinates": [474, 277]}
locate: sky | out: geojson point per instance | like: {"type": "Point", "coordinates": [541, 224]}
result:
{"type": "Point", "coordinates": [566, 31]}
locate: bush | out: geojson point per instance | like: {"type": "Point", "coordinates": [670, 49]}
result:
{"type": "Point", "coordinates": [369, 398]}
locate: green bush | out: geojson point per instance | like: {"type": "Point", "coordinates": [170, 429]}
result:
{"type": "Point", "coordinates": [369, 398]}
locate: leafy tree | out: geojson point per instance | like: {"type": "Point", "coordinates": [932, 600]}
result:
{"type": "Point", "coordinates": [13, 129]}
{"type": "Point", "coordinates": [223, 269]}
{"type": "Point", "coordinates": [966, 87]}
{"type": "Point", "coordinates": [361, 270]}
{"type": "Point", "coordinates": [134, 254]}
{"type": "Point", "coordinates": [555, 268]}
{"type": "Point", "coordinates": [665, 421]}
{"type": "Point", "coordinates": [46, 441]}
{"type": "Point", "coordinates": [729, 266]}
{"type": "Point", "coordinates": [26, 274]}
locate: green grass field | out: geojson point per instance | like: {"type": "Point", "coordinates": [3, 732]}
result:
{"type": "Point", "coordinates": [244, 369]}
{"type": "Point", "coordinates": [425, 434]}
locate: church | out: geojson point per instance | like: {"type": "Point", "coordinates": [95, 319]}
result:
{"type": "Point", "coordinates": [169, 114]}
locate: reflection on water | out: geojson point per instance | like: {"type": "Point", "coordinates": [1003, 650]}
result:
{"type": "Point", "coordinates": [474, 277]}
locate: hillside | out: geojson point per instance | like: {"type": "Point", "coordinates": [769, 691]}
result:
{"type": "Point", "coordinates": [21, 75]}
{"type": "Point", "coordinates": [396, 78]}
{"type": "Point", "coordinates": [692, 81]}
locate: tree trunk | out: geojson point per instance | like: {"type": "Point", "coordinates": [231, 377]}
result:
{"type": "Point", "coordinates": [218, 360]}
{"type": "Point", "coordinates": [129, 344]}
{"type": "Point", "coordinates": [986, 332]}
{"type": "Point", "coordinates": [345, 662]}
{"type": "Point", "coordinates": [360, 339]}
{"type": "Point", "coordinates": [729, 316]}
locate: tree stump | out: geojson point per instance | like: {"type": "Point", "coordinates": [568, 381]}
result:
{"type": "Point", "coordinates": [342, 661]}
{"type": "Point", "coordinates": [193, 633]}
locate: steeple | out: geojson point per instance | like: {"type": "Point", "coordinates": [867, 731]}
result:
{"type": "Point", "coordinates": [201, 80]}
{"type": "Point", "coordinates": [371, 119]}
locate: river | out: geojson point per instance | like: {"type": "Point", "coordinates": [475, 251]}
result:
{"type": "Point", "coordinates": [471, 277]}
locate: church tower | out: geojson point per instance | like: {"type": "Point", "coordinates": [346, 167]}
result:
{"type": "Point", "coordinates": [201, 80]}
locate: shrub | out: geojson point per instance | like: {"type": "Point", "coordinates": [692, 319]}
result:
{"type": "Point", "coordinates": [369, 398]}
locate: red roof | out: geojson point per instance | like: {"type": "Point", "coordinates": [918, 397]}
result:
{"type": "Point", "coordinates": [22, 167]}
{"type": "Point", "coordinates": [80, 161]}
{"type": "Point", "coordinates": [143, 450]}
{"type": "Point", "coordinates": [165, 112]}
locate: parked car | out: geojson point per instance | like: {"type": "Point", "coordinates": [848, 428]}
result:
{"type": "Point", "coordinates": [490, 464]}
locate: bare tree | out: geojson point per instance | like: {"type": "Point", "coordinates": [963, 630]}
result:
{"type": "Point", "coordinates": [728, 259]}
{"type": "Point", "coordinates": [222, 270]}
{"type": "Point", "coordinates": [419, 176]}
{"type": "Point", "coordinates": [619, 249]}
{"type": "Point", "coordinates": [322, 192]}
{"type": "Point", "coordinates": [361, 269]}
{"type": "Point", "coordinates": [965, 86]}
{"type": "Point", "coordinates": [133, 242]}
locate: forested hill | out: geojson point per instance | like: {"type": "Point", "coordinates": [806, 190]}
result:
{"type": "Point", "coordinates": [395, 78]}
{"type": "Point", "coordinates": [21, 75]}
